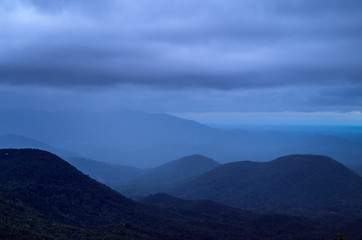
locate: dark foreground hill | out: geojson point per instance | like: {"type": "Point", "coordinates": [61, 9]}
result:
{"type": "Point", "coordinates": [57, 190]}
{"type": "Point", "coordinates": [106, 173]}
{"type": "Point", "coordinates": [166, 176]}
{"type": "Point", "coordinates": [306, 185]}
{"type": "Point", "coordinates": [43, 197]}
{"type": "Point", "coordinates": [356, 168]}
{"type": "Point", "coordinates": [264, 226]}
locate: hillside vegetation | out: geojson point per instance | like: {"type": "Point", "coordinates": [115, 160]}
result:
{"type": "Point", "coordinates": [305, 185]}
{"type": "Point", "coordinates": [44, 197]}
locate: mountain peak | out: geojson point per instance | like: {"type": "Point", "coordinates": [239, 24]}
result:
{"type": "Point", "coordinates": [164, 177]}
{"type": "Point", "coordinates": [308, 164]}
{"type": "Point", "coordinates": [294, 184]}
{"type": "Point", "coordinates": [191, 161]}
{"type": "Point", "coordinates": [55, 187]}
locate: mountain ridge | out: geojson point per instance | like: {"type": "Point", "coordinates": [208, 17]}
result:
{"type": "Point", "coordinates": [164, 177]}
{"type": "Point", "coordinates": [44, 197]}
{"type": "Point", "coordinates": [294, 184]}
{"type": "Point", "coordinates": [148, 139]}
{"type": "Point", "coordinates": [10, 140]}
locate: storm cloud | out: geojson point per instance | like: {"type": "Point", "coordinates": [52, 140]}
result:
{"type": "Point", "coordinates": [232, 51]}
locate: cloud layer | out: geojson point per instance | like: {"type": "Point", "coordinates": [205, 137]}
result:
{"type": "Point", "coordinates": [269, 47]}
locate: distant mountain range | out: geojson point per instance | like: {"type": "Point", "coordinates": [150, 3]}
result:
{"type": "Point", "coordinates": [131, 181]}
{"type": "Point", "coordinates": [148, 140]}
{"type": "Point", "coordinates": [167, 176]}
{"type": "Point", "coordinates": [18, 141]}
{"type": "Point", "coordinates": [107, 173]}
{"type": "Point", "coordinates": [137, 182]}
{"type": "Point", "coordinates": [296, 184]}
{"type": "Point", "coordinates": [44, 197]}
{"type": "Point", "coordinates": [303, 185]}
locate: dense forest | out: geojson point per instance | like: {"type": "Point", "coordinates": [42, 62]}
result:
{"type": "Point", "coordinates": [44, 197]}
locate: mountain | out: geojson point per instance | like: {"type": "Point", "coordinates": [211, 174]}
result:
{"type": "Point", "coordinates": [149, 139]}
{"type": "Point", "coordinates": [107, 173]}
{"type": "Point", "coordinates": [305, 185]}
{"type": "Point", "coordinates": [57, 190]}
{"type": "Point", "coordinates": [104, 172]}
{"type": "Point", "coordinates": [17, 141]}
{"type": "Point", "coordinates": [166, 176]}
{"type": "Point", "coordinates": [36, 185]}
{"type": "Point", "coordinates": [44, 197]}
{"type": "Point", "coordinates": [356, 168]}
{"type": "Point", "coordinates": [123, 137]}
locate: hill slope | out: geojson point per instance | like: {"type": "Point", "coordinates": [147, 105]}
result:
{"type": "Point", "coordinates": [18, 141]}
{"type": "Point", "coordinates": [43, 197]}
{"type": "Point", "coordinates": [256, 226]}
{"type": "Point", "coordinates": [356, 168]}
{"type": "Point", "coordinates": [168, 175]}
{"type": "Point", "coordinates": [107, 173]}
{"type": "Point", "coordinates": [104, 172]}
{"type": "Point", "coordinates": [57, 190]}
{"type": "Point", "coordinates": [295, 184]}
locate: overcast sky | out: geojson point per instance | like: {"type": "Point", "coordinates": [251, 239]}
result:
{"type": "Point", "coordinates": [182, 56]}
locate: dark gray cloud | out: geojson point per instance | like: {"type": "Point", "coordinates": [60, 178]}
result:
{"type": "Point", "coordinates": [176, 43]}
{"type": "Point", "coordinates": [234, 51]}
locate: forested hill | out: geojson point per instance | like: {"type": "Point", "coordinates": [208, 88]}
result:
{"type": "Point", "coordinates": [295, 184]}
{"type": "Point", "coordinates": [44, 197]}
{"type": "Point", "coordinates": [166, 176]}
